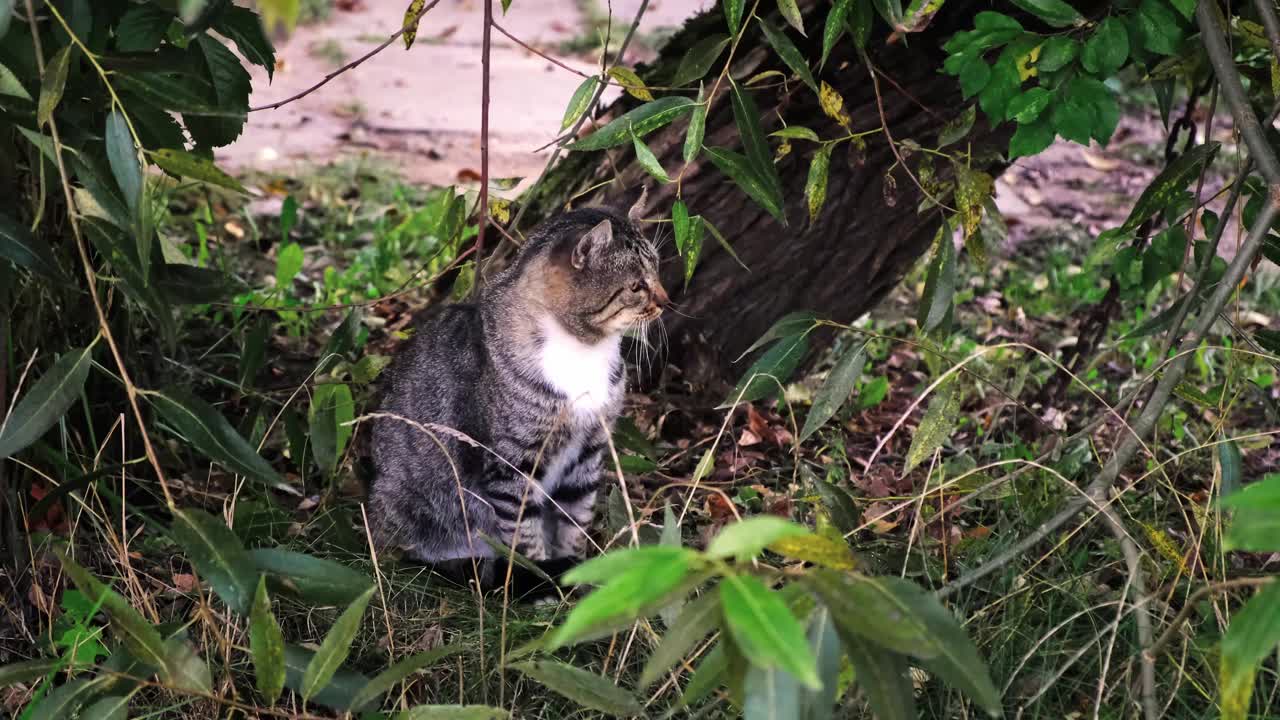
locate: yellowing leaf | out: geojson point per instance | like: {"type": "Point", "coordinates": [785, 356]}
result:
{"type": "Point", "coordinates": [1027, 63]}
{"type": "Point", "coordinates": [938, 422]}
{"type": "Point", "coordinates": [833, 104]}
{"type": "Point", "coordinates": [631, 82]}
{"type": "Point", "coordinates": [818, 549]}
{"type": "Point", "coordinates": [815, 187]}
{"type": "Point", "coordinates": [412, 16]}
{"type": "Point", "coordinates": [973, 187]}
{"type": "Point", "coordinates": [500, 209]}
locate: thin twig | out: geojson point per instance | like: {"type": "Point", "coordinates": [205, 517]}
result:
{"type": "Point", "coordinates": [1137, 585]}
{"type": "Point", "coordinates": [483, 222]}
{"type": "Point", "coordinates": [73, 218]}
{"type": "Point", "coordinates": [1189, 606]}
{"type": "Point", "coordinates": [409, 25]}
{"type": "Point", "coordinates": [586, 114]}
{"type": "Point", "coordinates": [1233, 93]}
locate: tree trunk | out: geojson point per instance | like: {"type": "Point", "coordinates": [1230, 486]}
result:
{"type": "Point", "coordinates": [868, 234]}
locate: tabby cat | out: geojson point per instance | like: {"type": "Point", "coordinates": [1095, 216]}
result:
{"type": "Point", "coordinates": [498, 412]}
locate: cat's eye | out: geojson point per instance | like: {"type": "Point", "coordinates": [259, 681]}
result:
{"type": "Point", "coordinates": [637, 286]}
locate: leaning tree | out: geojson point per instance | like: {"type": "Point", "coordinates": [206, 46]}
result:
{"type": "Point", "coordinates": [899, 118]}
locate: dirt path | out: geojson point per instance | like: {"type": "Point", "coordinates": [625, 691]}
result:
{"type": "Point", "coordinates": [421, 108]}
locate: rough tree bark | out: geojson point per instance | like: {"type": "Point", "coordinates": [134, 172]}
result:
{"type": "Point", "coordinates": [866, 237]}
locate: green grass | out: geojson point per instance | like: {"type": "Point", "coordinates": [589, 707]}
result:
{"type": "Point", "coordinates": [1046, 623]}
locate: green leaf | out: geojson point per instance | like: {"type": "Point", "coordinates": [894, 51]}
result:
{"type": "Point", "coordinates": [764, 628]}
{"type": "Point", "coordinates": [1264, 494]}
{"type": "Point", "coordinates": [579, 101]}
{"type": "Point", "coordinates": [1055, 13]}
{"type": "Point", "coordinates": [27, 670]}
{"type": "Point", "coordinates": [795, 132]}
{"type": "Point", "coordinates": [940, 282]}
{"type": "Point", "coordinates": [340, 691]}
{"type": "Point", "coordinates": [122, 155]}
{"type": "Point", "coordinates": [958, 127]}
{"type": "Point", "coordinates": [604, 568]}
{"type": "Point", "coordinates": [266, 645]}
{"type": "Point", "coordinates": [587, 689]}
{"type": "Point", "coordinates": [115, 707]}
{"type": "Point", "coordinates": [184, 164]}
{"type": "Point", "coordinates": [45, 402]}
{"type": "Point", "coordinates": [216, 553]}
{"type": "Point", "coordinates": [1031, 139]}
{"type": "Point", "coordinates": [789, 53]}
{"type": "Point", "coordinates": [62, 701]}
{"type": "Point", "coordinates": [211, 434]}
{"type": "Point", "coordinates": [642, 588]}
{"type": "Point", "coordinates": [746, 538]}
{"type": "Point", "coordinates": [243, 27]}
{"type": "Point", "coordinates": [827, 550]}
{"type": "Point", "coordinates": [883, 676]}
{"type": "Point", "coordinates": [939, 420]}
{"type": "Point", "coordinates": [760, 158]}
{"type": "Point", "coordinates": [335, 647]}
{"type": "Point", "coordinates": [332, 407]}
{"type": "Point", "coordinates": [770, 694]}
{"type": "Point", "coordinates": [649, 161]}
{"type": "Point", "coordinates": [697, 128]}
{"type": "Point", "coordinates": [1158, 27]}
{"type": "Point", "coordinates": [693, 247]}
{"type": "Point", "coordinates": [638, 122]}
{"type": "Point", "coordinates": [289, 259]}
{"type": "Point", "coordinates": [792, 14]}
{"type": "Point", "coordinates": [1107, 49]}
{"type": "Point", "coordinates": [769, 373]}
{"type": "Point", "coordinates": [313, 579]}
{"type": "Point", "coordinates": [792, 324]}
{"type": "Point", "coordinates": [860, 23]}
{"type": "Point", "coordinates": [412, 18]}
{"type": "Point", "coordinates": [1056, 53]}
{"type": "Point", "coordinates": [1169, 184]}
{"type": "Point", "coordinates": [231, 87]}
{"type": "Point", "coordinates": [20, 247]}
{"type": "Point", "coordinates": [695, 621]}
{"type": "Point", "coordinates": [137, 635]}
{"type": "Point", "coordinates": [974, 76]}
{"type": "Point", "coordinates": [184, 669]}
{"type": "Point", "coordinates": [815, 186]}
{"type": "Point", "coordinates": [1232, 466]}
{"type": "Point", "coordinates": [699, 59]}
{"type": "Point", "coordinates": [1027, 107]}
{"type": "Point", "coordinates": [739, 170]}
{"type": "Point", "coordinates": [875, 608]}
{"type": "Point", "coordinates": [733, 14]}
{"type": "Point", "coordinates": [183, 92]}
{"type": "Point", "coordinates": [824, 642]}
{"type": "Point", "coordinates": [142, 28]}
{"type": "Point", "coordinates": [836, 389]}
{"type": "Point", "coordinates": [182, 284]}
{"type": "Point", "coordinates": [454, 712]}
{"type": "Point", "coordinates": [835, 25]}
{"type": "Point", "coordinates": [9, 82]}
{"type": "Point", "coordinates": [680, 224]}
{"type": "Point", "coordinates": [1003, 85]}
{"type": "Point", "coordinates": [395, 674]}
{"type": "Point", "coordinates": [53, 84]}
{"type": "Point", "coordinates": [1253, 635]}
{"type": "Point", "coordinates": [6, 15]}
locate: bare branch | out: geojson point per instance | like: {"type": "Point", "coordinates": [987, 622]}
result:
{"type": "Point", "coordinates": [353, 64]}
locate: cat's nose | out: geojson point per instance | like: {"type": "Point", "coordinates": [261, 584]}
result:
{"type": "Point", "coordinates": [660, 297]}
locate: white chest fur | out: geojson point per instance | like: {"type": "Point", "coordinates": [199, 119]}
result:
{"type": "Point", "coordinates": [582, 372]}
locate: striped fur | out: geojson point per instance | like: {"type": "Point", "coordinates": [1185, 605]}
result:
{"type": "Point", "coordinates": [517, 394]}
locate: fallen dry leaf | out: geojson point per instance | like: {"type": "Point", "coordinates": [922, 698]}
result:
{"type": "Point", "coordinates": [1099, 162]}
{"type": "Point", "coordinates": [184, 582]}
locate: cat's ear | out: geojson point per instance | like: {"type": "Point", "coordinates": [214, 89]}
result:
{"type": "Point", "coordinates": [636, 213]}
{"type": "Point", "coordinates": [596, 239]}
